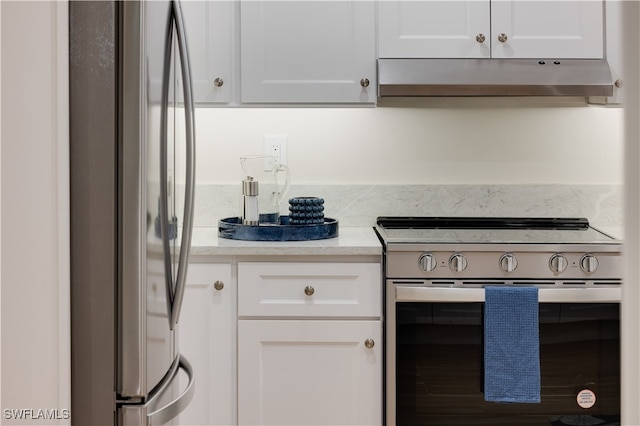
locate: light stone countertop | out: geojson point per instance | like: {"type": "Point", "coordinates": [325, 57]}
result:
{"type": "Point", "coordinates": [353, 241]}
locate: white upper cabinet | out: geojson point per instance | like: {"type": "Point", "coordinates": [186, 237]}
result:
{"type": "Point", "coordinates": [614, 48]}
{"type": "Point", "coordinates": [210, 37]}
{"type": "Point", "coordinates": [497, 29]}
{"type": "Point", "coordinates": [434, 29]}
{"type": "Point", "coordinates": [307, 52]}
{"type": "Point", "coordinates": [547, 29]}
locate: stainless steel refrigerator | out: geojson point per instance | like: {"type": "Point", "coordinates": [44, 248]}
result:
{"type": "Point", "coordinates": [132, 191]}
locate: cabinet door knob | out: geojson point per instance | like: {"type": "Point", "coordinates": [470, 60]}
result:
{"type": "Point", "coordinates": [309, 290]}
{"type": "Point", "coordinates": [218, 285]}
{"type": "Point", "coordinates": [480, 38]}
{"type": "Point", "coordinates": [364, 82]}
{"type": "Point", "coordinates": [218, 82]}
{"type": "Point", "coordinates": [502, 37]}
{"type": "Point", "coordinates": [369, 343]}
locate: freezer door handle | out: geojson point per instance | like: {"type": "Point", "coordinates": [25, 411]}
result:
{"type": "Point", "coordinates": [150, 414]}
{"type": "Point", "coordinates": [175, 290]}
{"type": "Point", "coordinates": [171, 410]}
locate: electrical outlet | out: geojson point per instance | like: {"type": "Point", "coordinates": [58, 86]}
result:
{"type": "Point", "coordinates": [275, 146]}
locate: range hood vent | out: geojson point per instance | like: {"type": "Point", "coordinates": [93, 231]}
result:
{"type": "Point", "coordinates": [494, 77]}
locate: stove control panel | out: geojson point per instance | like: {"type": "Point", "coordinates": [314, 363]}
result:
{"type": "Point", "coordinates": [506, 263]}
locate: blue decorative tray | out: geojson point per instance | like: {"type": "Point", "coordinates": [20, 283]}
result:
{"type": "Point", "coordinates": [232, 228]}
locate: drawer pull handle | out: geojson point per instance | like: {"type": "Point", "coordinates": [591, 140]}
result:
{"type": "Point", "coordinates": [369, 343]}
{"type": "Point", "coordinates": [218, 285]}
{"type": "Point", "coordinates": [309, 290]}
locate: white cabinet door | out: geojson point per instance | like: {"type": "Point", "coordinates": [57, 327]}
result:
{"type": "Point", "coordinates": [207, 339]}
{"type": "Point", "coordinates": [614, 47]}
{"type": "Point", "coordinates": [209, 26]}
{"type": "Point", "coordinates": [434, 29]}
{"type": "Point", "coordinates": [475, 28]}
{"type": "Point", "coordinates": [308, 52]}
{"type": "Point", "coordinates": [547, 29]}
{"type": "Point", "coordinates": [303, 372]}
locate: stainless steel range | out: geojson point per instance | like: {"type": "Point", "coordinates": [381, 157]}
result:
{"type": "Point", "coordinates": [437, 270]}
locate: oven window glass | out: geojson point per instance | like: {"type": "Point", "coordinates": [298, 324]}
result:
{"type": "Point", "coordinates": [439, 366]}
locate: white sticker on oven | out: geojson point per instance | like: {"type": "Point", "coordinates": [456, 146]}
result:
{"type": "Point", "coordinates": [586, 398]}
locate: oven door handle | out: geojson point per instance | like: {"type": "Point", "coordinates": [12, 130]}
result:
{"type": "Point", "coordinates": [408, 293]}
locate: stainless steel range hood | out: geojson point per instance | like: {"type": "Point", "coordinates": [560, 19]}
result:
{"type": "Point", "coordinates": [493, 77]}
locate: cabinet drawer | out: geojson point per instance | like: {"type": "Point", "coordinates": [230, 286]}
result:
{"type": "Point", "coordinates": [309, 289]}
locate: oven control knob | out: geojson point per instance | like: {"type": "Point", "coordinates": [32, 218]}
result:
{"type": "Point", "coordinates": [508, 262]}
{"type": "Point", "coordinates": [457, 262]}
{"type": "Point", "coordinates": [589, 263]}
{"type": "Point", "coordinates": [558, 263]}
{"type": "Point", "coordinates": [427, 262]}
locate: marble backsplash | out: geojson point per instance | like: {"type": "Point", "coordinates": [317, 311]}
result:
{"type": "Point", "coordinates": [359, 205]}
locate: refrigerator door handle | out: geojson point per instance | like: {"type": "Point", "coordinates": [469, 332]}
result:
{"type": "Point", "coordinates": [168, 412]}
{"type": "Point", "coordinates": [189, 111]}
{"type": "Point", "coordinates": [164, 167]}
{"type": "Point", "coordinates": [175, 293]}
{"type": "Point", "coordinates": [150, 414]}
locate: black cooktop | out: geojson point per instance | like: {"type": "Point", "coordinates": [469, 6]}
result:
{"type": "Point", "coordinates": [518, 230]}
{"type": "Point", "coordinates": [391, 222]}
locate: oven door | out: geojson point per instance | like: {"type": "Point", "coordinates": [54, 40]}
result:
{"type": "Point", "coordinates": [434, 358]}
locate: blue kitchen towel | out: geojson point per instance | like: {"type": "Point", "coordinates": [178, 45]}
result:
{"type": "Point", "coordinates": [511, 345]}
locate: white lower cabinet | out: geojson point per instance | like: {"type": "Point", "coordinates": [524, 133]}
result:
{"type": "Point", "coordinates": [283, 343]}
{"type": "Point", "coordinates": [309, 344]}
{"type": "Point", "coordinates": [309, 372]}
{"type": "Point", "coordinates": [208, 340]}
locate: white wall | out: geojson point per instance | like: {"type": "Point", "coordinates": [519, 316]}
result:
{"type": "Point", "coordinates": [440, 141]}
{"type": "Point", "coordinates": [35, 231]}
